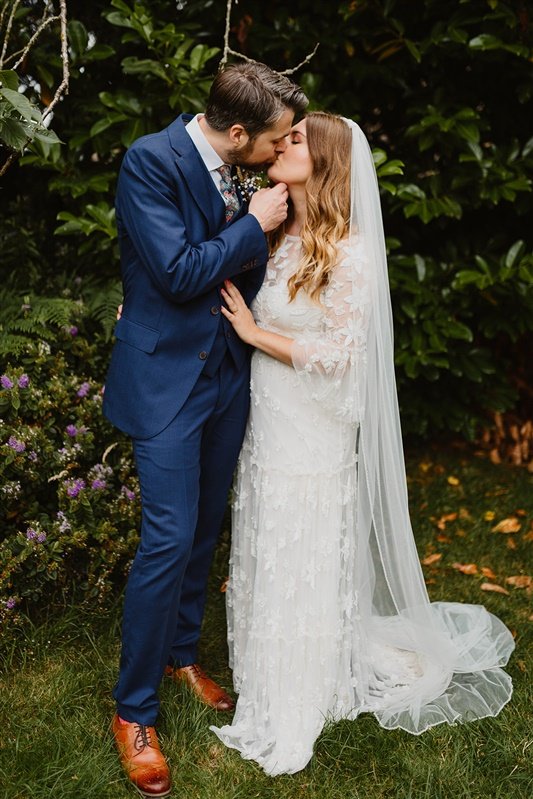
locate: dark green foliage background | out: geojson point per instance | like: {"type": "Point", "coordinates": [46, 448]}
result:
{"type": "Point", "coordinates": [444, 87]}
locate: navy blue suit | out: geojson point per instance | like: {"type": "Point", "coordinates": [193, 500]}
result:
{"type": "Point", "coordinates": [178, 384]}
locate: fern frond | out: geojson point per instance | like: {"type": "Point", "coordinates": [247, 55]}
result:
{"type": "Point", "coordinates": [11, 344]}
{"type": "Point", "coordinates": [57, 311]}
{"type": "Point", "coordinates": [102, 306]}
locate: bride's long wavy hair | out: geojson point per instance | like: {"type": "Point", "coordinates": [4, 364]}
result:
{"type": "Point", "coordinates": [328, 204]}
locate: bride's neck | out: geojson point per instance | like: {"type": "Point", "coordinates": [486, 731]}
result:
{"type": "Point", "coordinates": [299, 210]}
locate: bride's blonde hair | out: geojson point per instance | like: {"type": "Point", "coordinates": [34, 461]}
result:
{"type": "Point", "coordinates": [328, 204]}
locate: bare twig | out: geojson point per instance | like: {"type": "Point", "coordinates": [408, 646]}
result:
{"type": "Point", "coordinates": [23, 53]}
{"type": "Point", "coordinates": [8, 31]}
{"type": "Point", "coordinates": [2, 12]}
{"type": "Point", "coordinates": [7, 163]}
{"type": "Point", "coordinates": [63, 86]}
{"type": "Point", "coordinates": [228, 51]}
{"type": "Point", "coordinates": [306, 60]}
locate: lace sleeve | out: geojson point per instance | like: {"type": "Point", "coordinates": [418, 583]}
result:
{"type": "Point", "coordinates": [332, 363]}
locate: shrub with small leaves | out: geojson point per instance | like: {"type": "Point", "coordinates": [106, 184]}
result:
{"type": "Point", "coordinates": [67, 481]}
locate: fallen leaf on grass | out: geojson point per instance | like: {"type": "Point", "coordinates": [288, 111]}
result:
{"type": "Point", "coordinates": [489, 516]}
{"type": "Point", "coordinates": [447, 517]}
{"type": "Point", "coordinates": [510, 525]}
{"type": "Point", "coordinates": [511, 543]}
{"type": "Point", "coordinates": [443, 539]}
{"type": "Point", "coordinates": [520, 512]}
{"type": "Point", "coordinates": [494, 456]}
{"type": "Point", "coordinates": [486, 572]}
{"type": "Point", "coordinates": [453, 481]}
{"type": "Point", "coordinates": [520, 581]}
{"type": "Point", "coordinates": [425, 466]}
{"type": "Point", "coordinates": [529, 535]}
{"type": "Point", "coordinates": [499, 589]}
{"type": "Point", "coordinates": [465, 568]}
{"type": "Point", "coordinates": [431, 559]}
{"type": "Point", "coordinates": [464, 513]}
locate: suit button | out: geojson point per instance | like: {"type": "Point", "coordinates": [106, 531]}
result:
{"type": "Point", "coordinates": [202, 355]}
{"type": "Point", "coordinates": [214, 310]}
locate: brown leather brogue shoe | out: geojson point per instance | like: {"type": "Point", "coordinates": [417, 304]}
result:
{"type": "Point", "coordinates": [203, 686]}
{"type": "Point", "coordinates": [142, 758]}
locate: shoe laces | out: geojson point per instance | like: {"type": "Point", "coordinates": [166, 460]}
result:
{"type": "Point", "coordinates": [142, 737]}
{"type": "Point", "coordinates": [197, 671]}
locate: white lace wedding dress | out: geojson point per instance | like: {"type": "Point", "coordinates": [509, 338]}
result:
{"type": "Point", "coordinates": [300, 650]}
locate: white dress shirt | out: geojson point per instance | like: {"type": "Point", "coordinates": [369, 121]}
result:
{"type": "Point", "coordinates": [208, 155]}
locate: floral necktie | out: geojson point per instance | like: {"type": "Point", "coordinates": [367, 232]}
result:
{"type": "Point", "coordinates": [228, 191]}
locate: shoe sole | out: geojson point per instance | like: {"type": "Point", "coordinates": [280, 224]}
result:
{"type": "Point", "coordinates": [152, 795]}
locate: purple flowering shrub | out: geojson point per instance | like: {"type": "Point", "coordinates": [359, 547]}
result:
{"type": "Point", "coordinates": [68, 490]}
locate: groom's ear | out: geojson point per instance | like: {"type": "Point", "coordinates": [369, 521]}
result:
{"type": "Point", "coordinates": [238, 136]}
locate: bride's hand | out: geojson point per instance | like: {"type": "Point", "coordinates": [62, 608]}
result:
{"type": "Point", "coordinates": [238, 312]}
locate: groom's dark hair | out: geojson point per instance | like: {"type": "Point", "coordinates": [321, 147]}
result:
{"type": "Point", "coordinates": [252, 95]}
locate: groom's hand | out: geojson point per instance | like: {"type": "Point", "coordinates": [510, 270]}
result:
{"type": "Point", "coordinates": [269, 206]}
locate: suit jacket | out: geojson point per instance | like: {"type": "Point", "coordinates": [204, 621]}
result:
{"type": "Point", "coordinates": [176, 249]}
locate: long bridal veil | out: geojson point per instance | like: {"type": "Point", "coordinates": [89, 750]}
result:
{"type": "Point", "coordinates": [415, 663]}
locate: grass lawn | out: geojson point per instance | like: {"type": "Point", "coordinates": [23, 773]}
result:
{"type": "Point", "coordinates": [55, 685]}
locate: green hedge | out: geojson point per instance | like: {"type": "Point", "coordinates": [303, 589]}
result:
{"type": "Point", "coordinates": [442, 88]}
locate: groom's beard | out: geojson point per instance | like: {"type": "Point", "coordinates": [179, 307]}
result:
{"type": "Point", "coordinates": [242, 158]}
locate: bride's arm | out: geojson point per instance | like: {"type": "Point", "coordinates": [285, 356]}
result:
{"type": "Point", "coordinates": [346, 310]}
{"type": "Point", "coordinates": [240, 316]}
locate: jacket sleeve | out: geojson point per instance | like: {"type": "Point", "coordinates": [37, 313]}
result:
{"type": "Point", "coordinates": [149, 214]}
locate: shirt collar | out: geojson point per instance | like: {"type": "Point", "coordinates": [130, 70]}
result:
{"type": "Point", "coordinates": [208, 155]}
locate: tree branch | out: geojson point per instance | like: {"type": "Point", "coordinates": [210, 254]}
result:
{"type": "Point", "coordinates": [228, 51]}
{"type": "Point", "coordinates": [8, 31]}
{"type": "Point", "coordinates": [23, 53]}
{"type": "Point", "coordinates": [63, 86]}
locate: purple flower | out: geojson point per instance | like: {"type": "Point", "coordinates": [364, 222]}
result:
{"type": "Point", "coordinates": [24, 381]}
{"type": "Point", "coordinates": [41, 538]}
{"type": "Point", "coordinates": [31, 534]}
{"type": "Point", "coordinates": [83, 390]}
{"type": "Point", "coordinates": [74, 487]}
{"type": "Point", "coordinates": [10, 603]}
{"type": "Point", "coordinates": [14, 443]}
{"type": "Point", "coordinates": [73, 330]}
{"type": "Point", "coordinates": [98, 485]}
{"type": "Point", "coordinates": [33, 455]}
{"type": "Point", "coordinates": [127, 493]}
{"type": "Point", "coordinates": [71, 430]}
{"type": "Point", "coordinates": [5, 382]}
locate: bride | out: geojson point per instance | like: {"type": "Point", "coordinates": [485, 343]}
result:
{"type": "Point", "coordinates": [328, 614]}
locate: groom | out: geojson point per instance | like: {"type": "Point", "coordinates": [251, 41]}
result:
{"type": "Point", "coordinates": [178, 382]}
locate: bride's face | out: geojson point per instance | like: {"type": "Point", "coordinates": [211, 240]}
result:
{"type": "Point", "coordinates": [293, 166]}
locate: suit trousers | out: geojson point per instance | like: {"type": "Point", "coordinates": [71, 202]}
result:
{"type": "Point", "coordinates": [185, 473]}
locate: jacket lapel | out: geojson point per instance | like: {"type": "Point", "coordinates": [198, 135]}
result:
{"type": "Point", "coordinates": [193, 170]}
